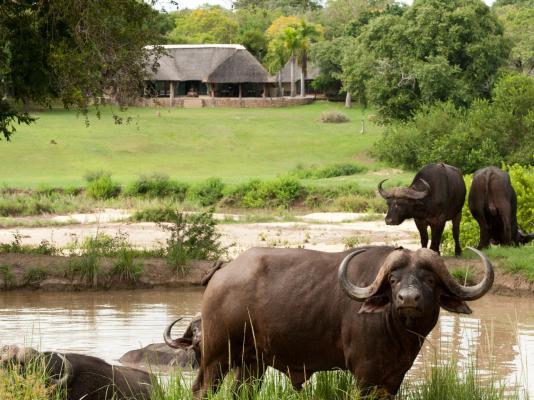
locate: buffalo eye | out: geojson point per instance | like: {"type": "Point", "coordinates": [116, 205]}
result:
{"type": "Point", "coordinates": [430, 281]}
{"type": "Point", "coordinates": [393, 281]}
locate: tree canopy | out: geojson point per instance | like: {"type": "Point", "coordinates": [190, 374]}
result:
{"type": "Point", "coordinates": [437, 50]}
{"type": "Point", "coordinates": [78, 52]}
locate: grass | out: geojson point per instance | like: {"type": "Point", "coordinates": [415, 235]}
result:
{"type": "Point", "coordinates": [186, 144]}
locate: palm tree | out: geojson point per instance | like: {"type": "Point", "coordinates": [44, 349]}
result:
{"type": "Point", "coordinates": [292, 41]}
{"type": "Point", "coordinates": [308, 33]}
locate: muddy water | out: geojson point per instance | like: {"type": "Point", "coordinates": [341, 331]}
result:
{"type": "Point", "coordinates": [500, 332]}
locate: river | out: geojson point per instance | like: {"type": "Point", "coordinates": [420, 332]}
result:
{"type": "Point", "coordinates": [499, 333]}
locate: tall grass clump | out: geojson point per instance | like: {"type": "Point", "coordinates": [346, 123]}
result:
{"type": "Point", "coordinates": [208, 192]}
{"type": "Point", "coordinates": [100, 186]}
{"type": "Point", "coordinates": [193, 237]}
{"type": "Point", "coordinates": [157, 186]}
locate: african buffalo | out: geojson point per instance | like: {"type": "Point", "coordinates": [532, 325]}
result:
{"type": "Point", "coordinates": [191, 339]}
{"type": "Point", "coordinates": [84, 377]}
{"type": "Point", "coordinates": [493, 203]}
{"type": "Point", "coordinates": [293, 310]}
{"type": "Point", "coordinates": [160, 355]}
{"type": "Point", "coordinates": [435, 196]}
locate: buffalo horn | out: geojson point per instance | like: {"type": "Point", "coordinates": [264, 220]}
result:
{"type": "Point", "coordinates": [66, 368]}
{"type": "Point", "coordinates": [417, 195]}
{"type": "Point", "coordinates": [467, 293]}
{"type": "Point", "coordinates": [167, 335]}
{"type": "Point", "coordinates": [382, 192]}
{"type": "Point", "coordinates": [355, 292]}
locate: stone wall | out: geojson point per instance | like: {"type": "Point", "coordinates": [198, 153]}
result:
{"type": "Point", "coordinates": [233, 102]}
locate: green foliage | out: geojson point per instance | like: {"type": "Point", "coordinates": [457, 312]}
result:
{"type": "Point", "coordinates": [157, 186]}
{"type": "Point", "coordinates": [208, 24]}
{"type": "Point", "coordinates": [35, 275]}
{"type": "Point", "coordinates": [100, 186]}
{"type": "Point", "coordinates": [335, 117]}
{"type": "Point", "coordinates": [154, 214]}
{"type": "Point", "coordinates": [282, 192]}
{"type": "Point", "coordinates": [523, 182]}
{"type": "Point", "coordinates": [351, 242]}
{"type": "Point", "coordinates": [207, 193]}
{"type": "Point", "coordinates": [464, 275]}
{"type": "Point", "coordinates": [486, 134]}
{"type": "Point", "coordinates": [125, 267]}
{"type": "Point", "coordinates": [515, 260]}
{"type": "Point", "coordinates": [436, 50]}
{"type": "Point", "coordinates": [193, 237]}
{"type": "Point", "coordinates": [45, 55]}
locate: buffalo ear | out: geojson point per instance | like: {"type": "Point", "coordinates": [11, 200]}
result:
{"type": "Point", "coordinates": [453, 304]}
{"type": "Point", "coordinates": [374, 304]}
{"type": "Point", "coordinates": [183, 343]}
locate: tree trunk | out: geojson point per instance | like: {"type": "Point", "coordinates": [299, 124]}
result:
{"type": "Point", "coordinates": [304, 72]}
{"type": "Point", "coordinates": [280, 88]}
{"type": "Point", "coordinates": [292, 77]}
{"type": "Point", "coordinates": [348, 100]}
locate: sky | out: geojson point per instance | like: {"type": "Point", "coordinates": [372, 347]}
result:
{"type": "Point", "coordinates": [166, 4]}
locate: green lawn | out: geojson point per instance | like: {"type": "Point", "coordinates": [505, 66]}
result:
{"type": "Point", "coordinates": [234, 144]}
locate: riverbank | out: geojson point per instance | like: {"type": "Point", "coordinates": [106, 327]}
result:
{"type": "Point", "coordinates": [52, 273]}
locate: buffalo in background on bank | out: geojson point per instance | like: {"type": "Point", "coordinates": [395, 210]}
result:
{"type": "Point", "coordinates": [493, 203]}
{"type": "Point", "coordinates": [290, 309]}
{"type": "Point", "coordinates": [435, 196]}
{"type": "Point", "coordinates": [160, 355]}
{"type": "Point", "coordinates": [84, 377]}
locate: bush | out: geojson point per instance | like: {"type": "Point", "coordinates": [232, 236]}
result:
{"type": "Point", "coordinates": [281, 192]}
{"type": "Point", "coordinates": [35, 275]}
{"type": "Point", "coordinates": [156, 214]}
{"type": "Point", "coordinates": [100, 186]}
{"type": "Point", "coordinates": [330, 171]}
{"type": "Point", "coordinates": [486, 134]}
{"type": "Point", "coordinates": [335, 117]}
{"type": "Point", "coordinates": [157, 186]}
{"type": "Point", "coordinates": [209, 192]}
{"type": "Point", "coordinates": [193, 237]}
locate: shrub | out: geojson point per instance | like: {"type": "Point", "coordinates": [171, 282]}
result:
{"type": "Point", "coordinates": [157, 185]}
{"type": "Point", "coordinates": [156, 214]}
{"type": "Point", "coordinates": [486, 134]}
{"type": "Point", "coordinates": [7, 276]}
{"type": "Point", "coordinates": [209, 192]}
{"type": "Point", "coordinates": [125, 266]}
{"type": "Point", "coordinates": [100, 186]}
{"type": "Point", "coordinates": [193, 237]}
{"type": "Point", "coordinates": [330, 171]}
{"type": "Point", "coordinates": [335, 117]}
{"type": "Point", "coordinates": [281, 192]}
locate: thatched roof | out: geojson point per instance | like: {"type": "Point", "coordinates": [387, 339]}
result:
{"type": "Point", "coordinates": [312, 72]}
{"type": "Point", "coordinates": [217, 63]}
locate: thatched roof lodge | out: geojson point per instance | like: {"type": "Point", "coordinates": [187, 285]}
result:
{"type": "Point", "coordinates": [213, 70]}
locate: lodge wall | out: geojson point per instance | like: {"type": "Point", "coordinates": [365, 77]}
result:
{"type": "Point", "coordinates": [245, 102]}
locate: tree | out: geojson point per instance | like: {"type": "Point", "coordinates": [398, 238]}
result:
{"type": "Point", "coordinates": [285, 6]}
{"type": "Point", "coordinates": [308, 33]}
{"type": "Point", "coordinates": [437, 50]}
{"type": "Point", "coordinates": [252, 24]}
{"type": "Point", "coordinates": [77, 52]}
{"type": "Point", "coordinates": [518, 21]}
{"type": "Point", "coordinates": [209, 24]}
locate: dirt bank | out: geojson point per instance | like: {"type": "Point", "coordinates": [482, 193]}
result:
{"type": "Point", "coordinates": [40, 272]}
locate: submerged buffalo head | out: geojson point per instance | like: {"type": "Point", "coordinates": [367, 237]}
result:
{"type": "Point", "coordinates": [57, 366]}
{"type": "Point", "coordinates": [413, 285]}
{"type": "Point", "coordinates": [191, 338]}
{"type": "Point", "coordinates": [524, 238]}
{"type": "Point", "coordinates": [403, 202]}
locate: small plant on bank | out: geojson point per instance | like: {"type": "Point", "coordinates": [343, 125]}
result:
{"type": "Point", "coordinates": [329, 171]}
{"type": "Point", "coordinates": [334, 117]}
{"type": "Point", "coordinates": [351, 242]}
{"type": "Point", "coordinates": [7, 276]}
{"type": "Point", "coordinates": [464, 275]}
{"type": "Point", "coordinates": [193, 237]}
{"type": "Point", "coordinates": [125, 267]}
{"type": "Point", "coordinates": [16, 246]}
{"type": "Point", "coordinates": [154, 214]}
{"type": "Point", "coordinates": [35, 275]}
{"type": "Point", "coordinates": [100, 186]}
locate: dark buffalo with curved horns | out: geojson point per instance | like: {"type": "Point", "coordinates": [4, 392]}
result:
{"type": "Point", "coordinates": [83, 377]}
{"type": "Point", "coordinates": [302, 311]}
{"type": "Point", "coordinates": [435, 196]}
{"type": "Point", "coordinates": [493, 203]}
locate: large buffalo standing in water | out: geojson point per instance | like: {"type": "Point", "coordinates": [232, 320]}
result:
{"type": "Point", "coordinates": [301, 311]}
{"type": "Point", "coordinates": [84, 377]}
{"type": "Point", "coordinates": [436, 195]}
{"type": "Point", "coordinates": [493, 203]}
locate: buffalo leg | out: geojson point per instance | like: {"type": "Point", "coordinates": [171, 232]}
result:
{"type": "Point", "coordinates": [423, 232]}
{"type": "Point", "coordinates": [456, 233]}
{"type": "Point", "coordinates": [484, 240]}
{"type": "Point", "coordinates": [437, 231]}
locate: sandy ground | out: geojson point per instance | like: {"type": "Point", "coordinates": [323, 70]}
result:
{"type": "Point", "coordinates": [319, 231]}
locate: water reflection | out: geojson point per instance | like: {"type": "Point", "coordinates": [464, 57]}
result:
{"type": "Point", "coordinates": [499, 334]}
